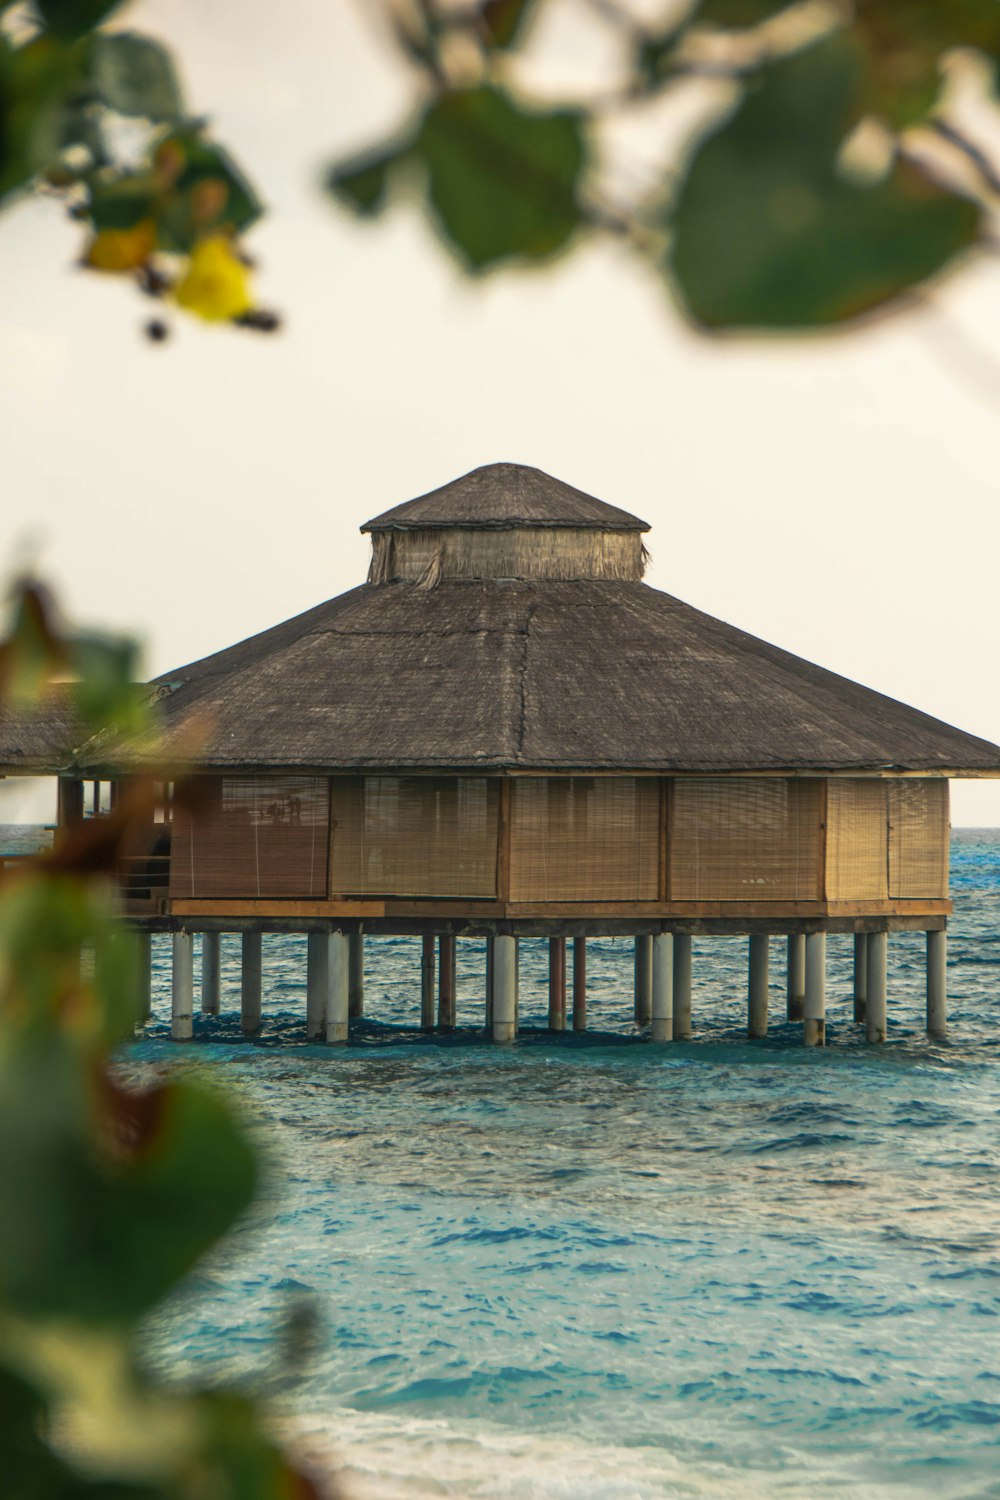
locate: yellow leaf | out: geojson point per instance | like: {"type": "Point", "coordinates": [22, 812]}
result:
{"type": "Point", "coordinates": [122, 249]}
{"type": "Point", "coordinates": [216, 285]}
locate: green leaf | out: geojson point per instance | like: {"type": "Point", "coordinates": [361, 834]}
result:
{"type": "Point", "coordinates": [739, 14]}
{"type": "Point", "coordinates": [36, 81]}
{"type": "Point", "coordinates": [363, 183]}
{"type": "Point", "coordinates": [181, 217]}
{"type": "Point", "coordinates": [903, 44]}
{"type": "Point", "coordinates": [135, 76]}
{"type": "Point", "coordinates": [769, 234]}
{"type": "Point", "coordinates": [74, 18]}
{"type": "Point", "coordinates": [505, 20]}
{"type": "Point", "coordinates": [502, 180]}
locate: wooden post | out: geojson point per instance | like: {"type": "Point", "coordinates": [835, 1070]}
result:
{"type": "Point", "coordinates": [356, 961]}
{"type": "Point", "coordinates": [210, 973]}
{"type": "Point", "coordinates": [796, 999]}
{"type": "Point", "coordinates": [860, 976]}
{"type": "Point", "coordinates": [682, 986]}
{"type": "Point", "coordinates": [759, 985]}
{"type": "Point", "coordinates": [446, 983]}
{"type": "Point", "coordinates": [662, 987]}
{"type": "Point", "coordinates": [557, 984]}
{"type": "Point", "coordinates": [338, 991]}
{"type": "Point", "coordinates": [937, 984]}
{"type": "Point", "coordinates": [427, 985]}
{"type": "Point", "coordinates": [96, 800]}
{"type": "Point", "coordinates": [875, 1018]}
{"type": "Point", "coordinates": [182, 987]}
{"type": "Point", "coordinates": [144, 960]}
{"type": "Point", "coordinates": [504, 985]}
{"type": "Point", "coordinates": [70, 799]}
{"type": "Point", "coordinates": [317, 983]}
{"type": "Point", "coordinates": [579, 984]}
{"type": "Point", "coordinates": [814, 1013]}
{"type": "Point", "coordinates": [643, 979]}
{"type": "Point", "coordinates": [250, 983]}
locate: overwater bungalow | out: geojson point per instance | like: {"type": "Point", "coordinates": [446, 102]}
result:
{"type": "Point", "coordinates": [505, 733]}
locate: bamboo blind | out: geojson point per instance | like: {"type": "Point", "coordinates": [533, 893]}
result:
{"type": "Point", "coordinates": [737, 839]}
{"type": "Point", "coordinates": [252, 836]}
{"type": "Point", "coordinates": [918, 838]}
{"type": "Point", "coordinates": [856, 840]}
{"type": "Point", "coordinates": [584, 838]}
{"type": "Point", "coordinates": [414, 836]}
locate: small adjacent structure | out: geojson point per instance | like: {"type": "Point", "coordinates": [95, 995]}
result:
{"type": "Point", "coordinates": [506, 732]}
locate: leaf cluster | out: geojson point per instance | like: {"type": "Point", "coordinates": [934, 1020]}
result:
{"type": "Point", "coordinates": [112, 1191]}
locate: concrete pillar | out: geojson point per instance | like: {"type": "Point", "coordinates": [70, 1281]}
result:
{"type": "Point", "coordinates": [643, 979]}
{"type": "Point", "coordinates": [557, 984]}
{"type": "Point", "coordinates": [182, 987]}
{"type": "Point", "coordinates": [796, 998]}
{"type": "Point", "coordinates": [490, 950]}
{"type": "Point", "coordinates": [759, 985]}
{"type": "Point", "coordinates": [317, 982]}
{"type": "Point", "coordinates": [579, 984]}
{"type": "Point", "coordinates": [860, 976]}
{"type": "Point", "coordinates": [661, 975]}
{"type": "Point", "coordinates": [144, 965]}
{"type": "Point", "coordinates": [250, 983]}
{"type": "Point", "coordinates": [427, 985]}
{"type": "Point", "coordinates": [682, 986]}
{"type": "Point", "coordinates": [210, 972]}
{"type": "Point", "coordinates": [937, 984]}
{"type": "Point", "coordinates": [504, 988]}
{"type": "Point", "coordinates": [878, 956]}
{"type": "Point", "coordinates": [356, 961]}
{"type": "Point", "coordinates": [338, 988]}
{"type": "Point", "coordinates": [446, 983]}
{"type": "Point", "coordinates": [814, 1010]}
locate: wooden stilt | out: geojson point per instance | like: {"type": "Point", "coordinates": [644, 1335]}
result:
{"type": "Point", "coordinates": [759, 986]}
{"type": "Point", "coordinates": [338, 1003]}
{"type": "Point", "coordinates": [814, 1016]}
{"type": "Point", "coordinates": [317, 984]}
{"type": "Point", "coordinates": [557, 984]}
{"type": "Point", "coordinates": [250, 983]}
{"type": "Point", "coordinates": [579, 984]}
{"type": "Point", "coordinates": [643, 979]}
{"type": "Point", "coordinates": [427, 986]}
{"type": "Point", "coordinates": [937, 984]}
{"type": "Point", "coordinates": [796, 993]}
{"type": "Point", "coordinates": [504, 988]}
{"type": "Point", "coordinates": [210, 973]}
{"type": "Point", "coordinates": [682, 986]}
{"type": "Point", "coordinates": [875, 1016]}
{"type": "Point", "coordinates": [446, 983]}
{"type": "Point", "coordinates": [662, 987]}
{"type": "Point", "coordinates": [356, 961]}
{"type": "Point", "coordinates": [182, 987]}
{"type": "Point", "coordinates": [860, 976]}
{"type": "Point", "coordinates": [70, 797]}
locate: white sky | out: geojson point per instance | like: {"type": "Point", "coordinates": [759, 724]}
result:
{"type": "Point", "coordinates": [838, 496]}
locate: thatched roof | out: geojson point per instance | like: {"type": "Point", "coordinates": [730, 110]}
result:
{"type": "Point", "coordinates": [499, 496]}
{"type": "Point", "coordinates": [539, 675]}
{"type": "Point", "coordinates": [40, 739]}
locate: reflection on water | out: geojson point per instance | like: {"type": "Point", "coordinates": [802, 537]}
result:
{"type": "Point", "coordinates": [588, 1267]}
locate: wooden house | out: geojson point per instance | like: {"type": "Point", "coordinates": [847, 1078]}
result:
{"type": "Point", "coordinates": [506, 732]}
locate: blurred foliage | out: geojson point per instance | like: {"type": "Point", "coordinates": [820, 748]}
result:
{"type": "Point", "coordinates": [111, 1192]}
{"type": "Point", "coordinates": [98, 117]}
{"type": "Point", "coordinates": [771, 215]}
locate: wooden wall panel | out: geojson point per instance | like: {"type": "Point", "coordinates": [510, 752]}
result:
{"type": "Point", "coordinates": [584, 838]}
{"type": "Point", "coordinates": [745, 839]}
{"type": "Point", "coordinates": [251, 836]}
{"type": "Point", "coordinates": [856, 840]}
{"type": "Point", "coordinates": [918, 837]}
{"type": "Point", "coordinates": [414, 836]}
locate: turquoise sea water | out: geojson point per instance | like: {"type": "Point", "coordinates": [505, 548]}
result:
{"type": "Point", "coordinates": [599, 1269]}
